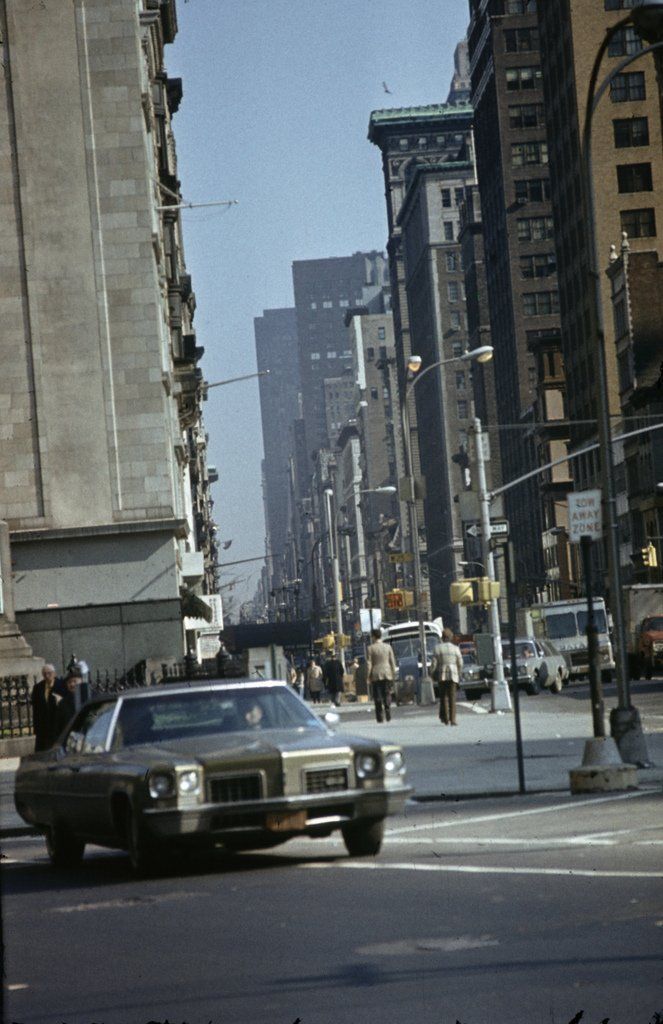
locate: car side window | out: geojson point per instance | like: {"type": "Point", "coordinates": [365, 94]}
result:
{"type": "Point", "coordinates": [90, 729]}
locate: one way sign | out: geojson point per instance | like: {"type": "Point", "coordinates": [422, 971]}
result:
{"type": "Point", "coordinates": [498, 528]}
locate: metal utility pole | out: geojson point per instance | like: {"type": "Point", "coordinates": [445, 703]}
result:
{"type": "Point", "coordinates": [500, 699]}
{"type": "Point", "coordinates": [336, 577]}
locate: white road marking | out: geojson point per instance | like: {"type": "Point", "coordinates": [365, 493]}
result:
{"type": "Point", "coordinates": [123, 903]}
{"type": "Point", "coordinates": [494, 841]}
{"type": "Point", "coordinates": [471, 869]}
{"type": "Point", "coordinates": [16, 988]}
{"type": "Point", "coordinates": [519, 814]}
{"type": "Point", "coordinates": [404, 947]}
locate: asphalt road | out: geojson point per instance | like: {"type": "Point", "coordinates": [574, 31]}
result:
{"type": "Point", "coordinates": [492, 910]}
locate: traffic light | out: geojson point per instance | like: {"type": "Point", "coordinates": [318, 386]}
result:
{"type": "Point", "coordinates": [487, 590]}
{"type": "Point", "coordinates": [461, 592]}
{"type": "Point", "coordinates": [473, 590]}
{"type": "Point", "coordinates": [649, 556]}
{"type": "Point", "coordinates": [326, 642]}
{"type": "Point", "coordinates": [395, 599]}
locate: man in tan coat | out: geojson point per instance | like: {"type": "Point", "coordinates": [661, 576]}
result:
{"type": "Point", "coordinates": [446, 669]}
{"type": "Point", "coordinates": [381, 666]}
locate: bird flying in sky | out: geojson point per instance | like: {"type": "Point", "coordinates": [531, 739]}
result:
{"type": "Point", "coordinates": [387, 89]}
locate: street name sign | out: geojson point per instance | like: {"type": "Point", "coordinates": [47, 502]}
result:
{"type": "Point", "coordinates": [400, 556]}
{"type": "Point", "coordinates": [585, 515]}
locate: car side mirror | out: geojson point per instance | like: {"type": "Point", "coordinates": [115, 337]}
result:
{"type": "Point", "coordinates": [331, 718]}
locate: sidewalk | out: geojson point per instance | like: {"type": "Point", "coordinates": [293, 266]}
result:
{"type": "Point", "coordinates": [478, 759]}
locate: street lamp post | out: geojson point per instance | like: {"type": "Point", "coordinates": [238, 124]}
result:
{"type": "Point", "coordinates": [231, 380]}
{"type": "Point", "coordinates": [481, 354]}
{"type": "Point", "coordinates": [625, 725]}
{"type": "Point", "coordinates": [336, 578]}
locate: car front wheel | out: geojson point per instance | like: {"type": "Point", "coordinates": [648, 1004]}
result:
{"type": "Point", "coordinates": [533, 687]}
{"type": "Point", "coordinates": [65, 850]}
{"type": "Point", "coordinates": [363, 838]}
{"type": "Point", "coordinates": [557, 683]}
{"type": "Point", "coordinates": [143, 854]}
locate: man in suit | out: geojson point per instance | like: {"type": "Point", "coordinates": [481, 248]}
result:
{"type": "Point", "coordinates": [45, 702]}
{"type": "Point", "coordinates": [446, 669]}
{"type": "Point", "coordinates": [332, 674]}
{"type": "Point", "coordinates": [381, 666]}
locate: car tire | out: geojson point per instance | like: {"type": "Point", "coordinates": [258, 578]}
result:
{"type": "Point", "coordinates": [557, 683]}
{"type": "Point", "coordinates": [363, 838]}
{"type": "Point", "coordinates": [144, 857]}
{"type": "Point", "coordinates": [533, 687]}
{"type": "Point", "coordinates": [65, 850]}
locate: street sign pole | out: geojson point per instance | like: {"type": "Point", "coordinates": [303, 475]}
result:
{"type": "Point", "coordinates": [595, 686]}
{"type": "Point", "coordinates": [511, 601]}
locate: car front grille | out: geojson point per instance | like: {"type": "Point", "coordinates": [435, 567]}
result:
{"type": "Point", "coordinates": [234, 789]}
{"type": "Point", "coordinates": [326, 780]}
{"type": "Point", "coordinates": [578, 657]}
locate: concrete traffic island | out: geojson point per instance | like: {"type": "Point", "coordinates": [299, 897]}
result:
{"type": "Point", "coordinates": [602, 769]}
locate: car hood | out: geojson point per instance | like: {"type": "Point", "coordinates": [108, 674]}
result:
{"type": "Point", "coordinates": [259, 744]}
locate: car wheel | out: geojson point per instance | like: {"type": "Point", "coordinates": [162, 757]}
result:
{"type": "Point", "coordinates": [363, 838]}
{"type": "Point", "coordinates": [65, 850]}
{"type": "Point", "coordinates": [144, 857]}
{"type": "Point", "coordinates": [533, 687]}
{"type": "Point", "coordinates": [557, 683]}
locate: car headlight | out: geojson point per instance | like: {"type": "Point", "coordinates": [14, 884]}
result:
{"type": "Point", "coordinates": [367, 765]}
{"type": "Point", "coordinates": [189, 782]}
{"type": "Point", "coordinates": [394, 763]}
{"type": "Point", "coordinates": [161, 784]}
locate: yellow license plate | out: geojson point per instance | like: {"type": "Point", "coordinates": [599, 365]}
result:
{"type": "Point", "coordinates": [289, 821]}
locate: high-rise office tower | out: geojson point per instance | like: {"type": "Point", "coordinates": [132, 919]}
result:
{"type": "Point", "coordinates": [521, 271]}
{"type": "Point", "coordinates": [277, 352]}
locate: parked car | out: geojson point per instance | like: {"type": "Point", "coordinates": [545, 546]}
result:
{"type": "Point", "coordinates": [538, 665]}
{"type": "Point", "coordinates": [245, 765]}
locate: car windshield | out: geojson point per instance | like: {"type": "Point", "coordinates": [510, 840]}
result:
{"type": "Point", "coordinates": [523, 650]}
{"type": "Point", "coordinates": [599, 619]}
{"type": "Point", "coordinates": [168, 716]}
{"type": "Point", "coordinates": [408, 646]}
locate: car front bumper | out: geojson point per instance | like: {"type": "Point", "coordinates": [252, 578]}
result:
{"type": "Point", "coordinates": [325, 812]}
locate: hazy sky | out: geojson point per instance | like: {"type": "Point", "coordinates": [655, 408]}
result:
{"type": "Point", "coordinates": [277, 97]}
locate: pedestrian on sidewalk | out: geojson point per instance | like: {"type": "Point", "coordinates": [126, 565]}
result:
{"type": "Point", "coordinates": [381, 666]}
{"type": "Point", "coordinates": [314, 681]}
{"type": "Point", "coordinates": [71, 701]}
{"type": "Point", "coordinates": [45, 702]}
{"type": "Point", "coordinates": [332, 675]}
{"type": "Point", "coordinates": [446, 669]}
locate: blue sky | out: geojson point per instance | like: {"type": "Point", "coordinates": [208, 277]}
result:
{"type": "Point", "coordinates": [277, 96]}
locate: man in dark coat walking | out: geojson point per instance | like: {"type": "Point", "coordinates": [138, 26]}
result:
{"type": "Point", "coordinates": [332, 675]}
{"type": "Point", "coordinates": [45, 709]}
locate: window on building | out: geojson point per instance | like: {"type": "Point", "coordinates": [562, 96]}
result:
{"type": "Point", "coordinates": [374, 392]}
{"type": "Point", "coordinates": [524, 154]}
{"type": "Point", "coordinates": [617, 5]}
{"type": "Point", "coordinates": [634, 177]}
{"type": "Point", "coordinates": [314, 305]}
{"type": "Point", "coordinates": [621, 323]}
{"type": "Point", "coordinates": [520, 79]}
{"type": "Point", "coordinates": [347, 353]}
{"type": "Point", "coordinates": [459, 196]}
{"type": "Point", "coordinates": [639, 223]}
{"type": "Point", "coordinates": [535, 229]}
{"type": "Point", "coordinates": [403, 143]}
{"type": "Point", "coordinates": [463, 440]}
{"type": "Point", "coordinates": [460, 380]}
{"type": "Point", "coordinates": [381, 333]}
{"type": "Point", "coordinates": [383, 351]}
{"type": "Point", "coordinates": [631, 131]}
{"type": "Point", "coordinates": [454, 320]}
{"type": "Point", "coordinates": [315, 355]}
{"type": "Point", "coordinates": [624, 42]}
{"type": "Point", "coordinates": [527, 115]}
{"type": "Point", "coordinates": [630, 85]}
{"type": "Point", "coordinates": [448, 231]}
{"type": "Point", "coordinates": [343, 303]}
{"type": "Point", "coordinates": [446, 197]}
{"type": "Point", "coordinates": [452, 262]}
{"type": "Point", "coordinates": [625, 369]}
{"type": "Point", "coordinates": [422, 142]}
{"type": "Point", "coordinates": [540, 303]}
{"type": "Point", "coordinates": [457, 349]}
{"type": "Point", "coordinates": [534, 190]}
{"type": "Point", "coordinates": [370, 354]}
{"type": "Point", "coordinates": [327, 304]}
{"type": "Point", "coordinates": [538, 265]}
{"type": "Point", "coordinates": [462, 409]}
{"type": "Point", "coordinates": [331, 355]}
{"type": "Point", "coordinates": [520, 40]}
{"type": "Point", "coordinates": [452, 291]}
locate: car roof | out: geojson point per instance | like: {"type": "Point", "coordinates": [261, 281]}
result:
{"type": "Point", "coordinates": [186, 686]}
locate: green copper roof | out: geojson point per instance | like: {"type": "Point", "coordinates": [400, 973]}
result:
{"type": "Point", "coordinates": [430, 112]}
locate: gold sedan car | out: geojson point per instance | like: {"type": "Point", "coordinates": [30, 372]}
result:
{"type": "Point", "coordinates": [244, 765]}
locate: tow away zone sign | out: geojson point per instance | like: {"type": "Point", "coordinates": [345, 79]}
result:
{"type": "Point", "coordinates": [585, 518]}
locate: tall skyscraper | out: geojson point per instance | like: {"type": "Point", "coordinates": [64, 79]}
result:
{"type": "Point", "coordinates": [521, 269]}
{"type": "Point", "coordinates": [324, 289]}
{"type": "Point", "coordinates": [277, 352]}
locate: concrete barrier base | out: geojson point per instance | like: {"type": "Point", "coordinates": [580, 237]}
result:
{"type": "Point", "coordinates": [602, 769]}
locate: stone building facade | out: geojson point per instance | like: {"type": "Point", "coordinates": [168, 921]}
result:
{"type": "Point", "coordinates": [100, 395]}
